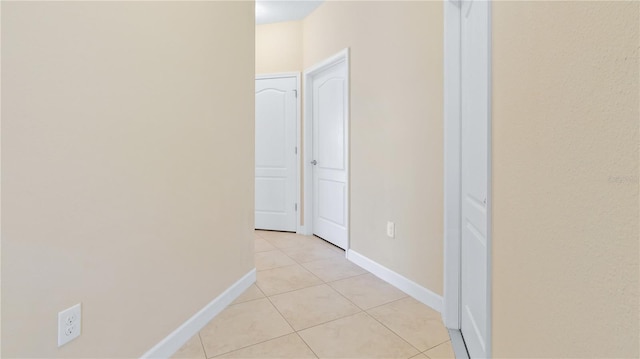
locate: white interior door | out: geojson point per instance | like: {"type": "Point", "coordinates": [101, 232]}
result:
{"type": "Point", "coordinates": [330, 111]}
{"type": "Point", "coordinates": [275, 191]}
{"type": "Point", "coordinates": [474, 175]}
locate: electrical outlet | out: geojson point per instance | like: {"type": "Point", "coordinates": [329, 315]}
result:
{"type": "Point", "coordinates": [391, 230]}
{"type": "Point", "coordinates": [69, 324]}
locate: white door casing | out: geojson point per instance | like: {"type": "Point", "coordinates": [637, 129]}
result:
{"type": "Point", "coordinates": [326, 127]}
{"type": "Point", "coordinates": [467, 173]}
{"type": "Point", "coordinates": [276, 153]}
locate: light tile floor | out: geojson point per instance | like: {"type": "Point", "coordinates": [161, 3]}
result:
{"type": "Point", "coordinates": [311, 302]}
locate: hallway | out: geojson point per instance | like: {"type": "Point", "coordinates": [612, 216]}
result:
{"type": "Point", "coordinates": [309, 302]}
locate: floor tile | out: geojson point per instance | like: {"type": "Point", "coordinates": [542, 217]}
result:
{"type": "Point", "coordinates": [420, 356]}
{"type": "Point", "coordinates": [330, 270]}
{"type": "Point", "coordinates": [442, 351]}
{"type": "Point", "coordinates": [285, 279]}
{"type": "Point", "coordinates": [268, 235]}
{"type": "Point", "coordinates": [261, 245]}
{"type": "Point", "coordinates": [291, 240]}
{"type": "Point", "coordinates": [191, 350]}
{"type": "Point", "coordinates": [313, 251]}
{"type": "Point", "coordinates": [251, 293]}
{"type": "Point", "coordinates": [367, 291]}
{"type": "Point", "coordinates": [416, 323]}
{"type": "Point", "coordinates": [241, 325]}
{"type": "Point", "coordinates": [356, 336]}
{"type": "Point", "coordinates": [287, 347]}
{"type": "Point", "coordinates": [307, 307]}
{"type": "Point", "coordinates": [272, 259]}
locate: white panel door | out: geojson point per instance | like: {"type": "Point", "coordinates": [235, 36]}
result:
{"type": "Point", "coordinates": [474, 170]}
{"type": "Point", "coordinates": [275, 191]}
{"type": "Point", "coordinates": [330, 154]}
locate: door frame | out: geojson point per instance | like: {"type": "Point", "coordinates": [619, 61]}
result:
{"type": "Point", "coordinates": [295, 75]}
{"type": "Point", "coordinates": [451, 313]}
{"type": "Point", "coordinates": [342, 56]}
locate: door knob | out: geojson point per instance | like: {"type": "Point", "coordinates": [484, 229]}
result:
{"type": "Point", "coordinates": [314, 162]}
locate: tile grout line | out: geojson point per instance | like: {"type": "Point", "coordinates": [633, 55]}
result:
{"type": "Point", "coordinates": [437, 345]}
{"type": "Point", "coordinates": [281, 315]}
{"type": "Point", "coordinates": [276, 308]}
{"type": "Point", "coordinates": [383, 304]}
{"type": "Point", "coordinates": [294, 329]}
{"type": "Point", "coordinates": [345, 297]}
{"type": "Point", "coordinates": [352, 302]}
{"type": "Point", "coordinates": [293, 290]}
{"type": "Point", "coordinates": [334, 280]}
{"type": "Point", "coordinates": [303, 262]}
{"type": "Point", "coordinates": [279, 236]}
{"type": "Point", "coordinates": [312, 240]}
{"type": "Point", "coordinates": [264, 341]}
{"type": "Point", "coordinates": [369, 315]}
{"type": "Point", "coordinates": [202, 345]}
{"type": "Point", "coordinates": [337, 280]}
{"type": "Point", "coordinates": [281, 252]}
{"type": "Point", "coordinates": [396, 334]}
{"type": "Point", "coordinates": [307, 344]}
{"type": "Point", "coordinates": [360, 310]}
{"type": "Point", "coordinates": [365, 311]}
{"type": "Point", "coordinates": [247, 301]}
{"type": "Point", "coordinates": [250, 300]}
{"type": "Point", "coordinates": [324, 282]}
{"type": "Point", "coordinates": [248, 346]}
{"type": "Point", "coordinates": [357, 275]}
{"type": "Point", "coordinates": [329, 321]}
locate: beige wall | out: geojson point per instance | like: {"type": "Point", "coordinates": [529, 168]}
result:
{"type": "Point", "coordinates": [565, 179]}
{"type": "Point", "coordinates": [396, 127]}
{"type": "Point", "coordinates": [119, 191]}
{"type": "Point", "coordinates": [279, 47]}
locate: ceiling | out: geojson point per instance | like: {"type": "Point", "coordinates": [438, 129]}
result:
{"type": "Point", "coordinates": [270, 11]}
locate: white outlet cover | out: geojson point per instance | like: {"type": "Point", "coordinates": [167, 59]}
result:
{"type": "Point", "coordinates": [69, 324]}
{"type": "Point", "coordinates": [391, 229]}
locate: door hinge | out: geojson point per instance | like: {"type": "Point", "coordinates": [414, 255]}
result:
{"type": "Point", "coordinates": [296, 91]}
{"type": "Point", "coordinates": [296, 205]}
{"type": "Point", "coordinates": [295, 150]}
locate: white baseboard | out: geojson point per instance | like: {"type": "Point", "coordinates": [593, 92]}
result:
{"type": "Point", "coordinates": [406, 285]}
{"type": "Point", "coordinates": [174, 341]}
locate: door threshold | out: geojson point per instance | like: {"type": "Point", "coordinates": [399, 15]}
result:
{"type": "Point", "coordinates": [457, 343]}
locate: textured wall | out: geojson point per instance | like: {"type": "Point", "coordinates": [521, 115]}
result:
{"type": "Point", "coordinates": [565, 179]}
{"type": "Point", "coordinates": [396, 127]}
{"type": "Point", "coordinates": [127, 168]}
